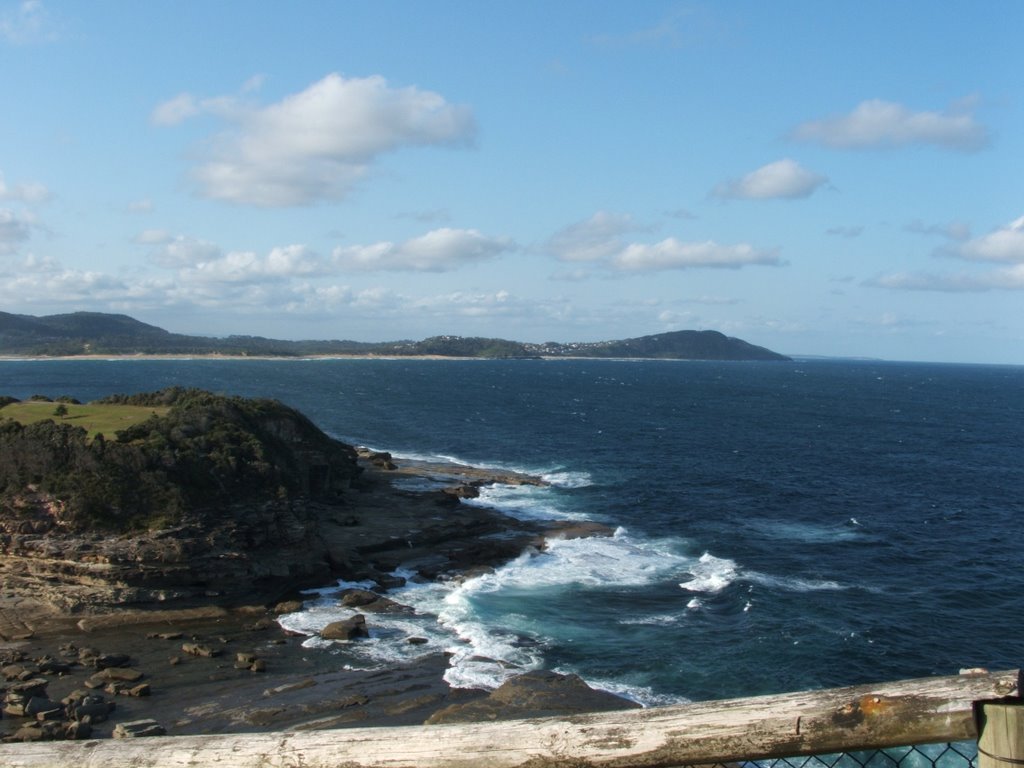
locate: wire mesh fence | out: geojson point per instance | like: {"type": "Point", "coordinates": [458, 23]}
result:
{"type": "Point", "coordinates": [959, 754]}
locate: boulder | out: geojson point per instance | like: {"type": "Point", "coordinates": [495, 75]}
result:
{"type": "Point", "coordinates": [371, 602]}
{"type": "Point", "coordinates": [354, 598]}
{"type": "Point", "coordinates": [138, 728]}
{"type": "Point", "coordinates": [534, 694]}
{"type": "Point", "coordinates": [347, 629]}
{"type": "Point", "coordinates": [199, 649]}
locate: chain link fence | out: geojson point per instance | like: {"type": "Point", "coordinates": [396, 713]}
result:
{"type": "Point", "coordinates": [959, 754]}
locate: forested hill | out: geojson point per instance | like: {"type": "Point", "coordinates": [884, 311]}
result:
{"type": "Point", "coordinates": [96, 333]}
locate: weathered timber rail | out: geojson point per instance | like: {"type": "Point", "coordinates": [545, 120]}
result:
{"type": "Point", "coordinates": [895, 714]}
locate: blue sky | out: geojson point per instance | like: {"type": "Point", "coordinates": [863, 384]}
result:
{"type": "Point", "coordinates": [818, 178]}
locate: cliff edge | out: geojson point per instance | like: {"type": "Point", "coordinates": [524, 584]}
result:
{"type": "Point", "coordinates": [206, 500]}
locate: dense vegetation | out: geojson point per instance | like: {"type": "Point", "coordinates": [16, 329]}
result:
{"type": "Point", "coordinates": [82, 333]}
{"type": "Point", "coordinates": [205, 452]}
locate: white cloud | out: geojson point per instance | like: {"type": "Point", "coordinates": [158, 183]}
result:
{"type": "Point", "coordinates": [675, 254]}
{"type": "Point", "coordinates": [1005, 244]}
{"type": "Point", "coordinates": [463, 304]}
{"type": "Point", "coordinates": [15, 229]}
{"type": "Point", "coordinates": [241, 267]}
{"type": "Point", "coordinates": [29, 192]}
{"type": "Point", "coordinates": [599, 239]}
{"type": "Point", "coordinates": [1009, 279]}
{"type": "Point", "coordinates": [153, 237]}
{"type": "Point", "coordinates": [253, 84]}
{"type": "Point", "coordinates": [174, 111]}
{"type": "Point", "coordinates": [595, 239]}
{"type": "Point", "coordinates": [440, 250]}
{"type": "Point", "coordinates": [176, 251]}
{"type": "Point", "coordinates": [29, 23]}
{"type": "Point", "coordinates": [877, 123]}
{"type": "Point", "coordinates": [783, 179]}
{"type": "Point", "coordinates": [316, 144]}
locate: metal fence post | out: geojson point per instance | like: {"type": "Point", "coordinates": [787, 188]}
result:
{"type": "Point", "coordinates": [1000, 734]}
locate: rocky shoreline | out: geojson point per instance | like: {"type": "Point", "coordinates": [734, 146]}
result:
{"type": "Point", "coordinates": [104, 638]}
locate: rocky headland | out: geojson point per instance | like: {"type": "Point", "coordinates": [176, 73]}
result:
{"type": "Point", "coordinates": [143, 571]}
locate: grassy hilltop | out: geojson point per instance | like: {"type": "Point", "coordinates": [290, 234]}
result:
{"type": "Point", "coordinates": [152, 460]}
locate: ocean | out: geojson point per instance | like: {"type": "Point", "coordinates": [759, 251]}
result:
{"type": "Point", "coordinates": [779, 526]}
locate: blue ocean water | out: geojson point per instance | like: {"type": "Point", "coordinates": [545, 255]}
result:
{"type": "Point", "coordinates": [780, 526]}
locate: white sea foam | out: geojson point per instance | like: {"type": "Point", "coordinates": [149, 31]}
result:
{"type": "Point", "coordinates": [613, 561]}
{"type": "Point", "coordinates": [711, 574]}
{"type": "Point", "coordinates": [794, 583]}
{"type": "Point", "coordinates": [486, 651]}
{"type": "Point", "coordinates": [808, 532]}
{"type": "Point", "coordinates": [654, 620]}
{"type": "Point", "coordinates": [641, 694]}
{"type": "Point", "coordinates": [566, 479]}
{"type": "Point", "coordinates": [527, 502]}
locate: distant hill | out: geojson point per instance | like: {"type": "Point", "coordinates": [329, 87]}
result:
{"type": "Point", "coordinates": [97, 333]}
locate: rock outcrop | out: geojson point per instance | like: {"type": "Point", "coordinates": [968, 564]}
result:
{"type": "Point", "coordinates": [534, 694]}
{"type": "Point", "coordinates": [261, 502]}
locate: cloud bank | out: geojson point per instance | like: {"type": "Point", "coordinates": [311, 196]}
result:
{"type": "Point", "coordinates": [879, 124]}
{"type": "Point", "coordinates": [1004, 245]}
{"type": "Point", "coordinates": [600, 240]}
{"type": "Point", "coordinates": [316, 144]}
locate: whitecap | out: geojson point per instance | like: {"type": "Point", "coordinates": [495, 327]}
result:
{"type": "Point", "coordinates": [567, 479]}
{"type": "Point", "coordinates": [641, 694]}
{"type": "Point", "coordinates": [711, 574]}
{"type": "Point", "coordinates": [795, 583]}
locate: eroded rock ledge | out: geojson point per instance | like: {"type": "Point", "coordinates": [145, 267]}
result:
{"type": "Point", "coordinates": [259, 504]}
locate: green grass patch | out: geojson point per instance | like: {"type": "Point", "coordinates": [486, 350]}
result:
{"type": "Point", "coordinates": [95, 419]}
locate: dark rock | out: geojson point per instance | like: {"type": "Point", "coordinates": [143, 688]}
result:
{"type": "Point", "coordinates": [288, 606]}
{"type": "Point", "coordinates": [82, 705]}
{"type": "Point", "coordinates": [138, 729]}
{"type": "Point", "coordinates": [380, 459]}
{"type": "Point", "coordinates": [51, 666]}
{"type": "Point", "coordinates": [39, 705]}
{"type": "Point", "coordinates": [119, 675]}
{"type": "Point", "coordinates": [354, 598]}
{"type": "Point", "coordinates": [165, 635]}
{"type": "Point", "coordinates": [534, 694]}
{"type": "Point", "coordinates": [462, 491]}
{"type": "Point", "coordinates": [386, 581]}
{"type": "Point", "coordinates": [78, 730]}
{"type": "Point", "coordinates": [108, 660]}
{"type": "Point", "coordinates": [347, 629]}
{"type": "Point", "coordinates": [290, 687]}
{"type": "Point", "coordinates": [12, 671]}
{"type": "Point", "coordinates": [260, 625]}
{"type": "Point", "coordinates": [199, 649]}
{"type": "Point", "coordinates": [28, 688]}
{"type": "Point", "coordinates": [371, 602]}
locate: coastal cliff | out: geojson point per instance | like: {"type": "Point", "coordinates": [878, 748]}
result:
{"type": "Point", "coordinates": [177, 521]}
{"type": "Point", "coordinates": [211, 499]}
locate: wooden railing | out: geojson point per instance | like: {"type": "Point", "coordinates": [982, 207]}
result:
{"type": "Point", "coordinates": [904, 713]}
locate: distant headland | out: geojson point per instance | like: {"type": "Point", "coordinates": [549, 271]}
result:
{"type": "Point", "coordinates": [96, 333]}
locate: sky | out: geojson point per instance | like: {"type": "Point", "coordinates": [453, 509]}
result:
{"type": "Point", "coordinates": [841, 178]}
